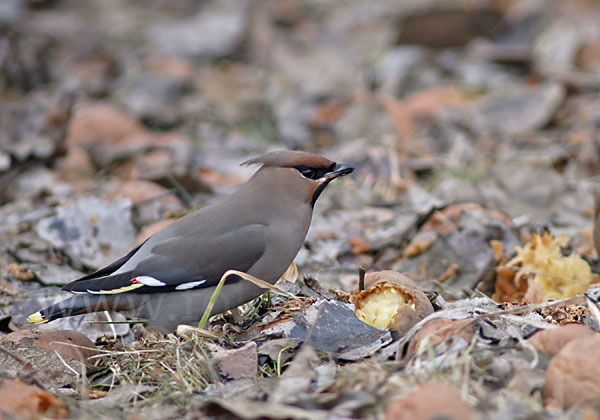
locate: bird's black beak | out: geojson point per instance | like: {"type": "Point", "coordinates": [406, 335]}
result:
{"type": "Point", "coordinates": [339, 169]}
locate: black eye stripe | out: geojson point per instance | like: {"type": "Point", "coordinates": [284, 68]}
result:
{"type": "Point", "coordinates": [313, 173]}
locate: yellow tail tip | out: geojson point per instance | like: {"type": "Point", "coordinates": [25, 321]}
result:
{"type": "Point", "coordinates": [36, 318]}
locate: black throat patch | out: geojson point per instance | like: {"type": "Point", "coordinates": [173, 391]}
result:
{"type": "Point", "coordinates": [318, 191]}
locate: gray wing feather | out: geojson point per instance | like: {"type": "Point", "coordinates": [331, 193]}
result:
{"type": "Point", "coordinates": [188, 259]}
{"type": "Point", "coordinates": [185, 259]}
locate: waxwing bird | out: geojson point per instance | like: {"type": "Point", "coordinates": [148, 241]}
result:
{"type": "Point", "coordinates": [258, 229]}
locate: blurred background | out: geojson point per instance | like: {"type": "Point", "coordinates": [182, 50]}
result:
{"type": "Point", "coordinates": [118, 116]}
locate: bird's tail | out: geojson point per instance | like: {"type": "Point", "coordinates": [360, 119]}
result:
{"type": "Point", "coordinates": [77, 305]}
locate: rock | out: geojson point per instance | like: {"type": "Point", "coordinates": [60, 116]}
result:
{"type": "Point", "coordinates": [431, 401]}
{"type": "Point", "coordinates": [24, 401]}
{"type": "Point", "coordinates": [293, 114]}
{"type": "Point", "coordinates": [216, 31]}
{"type": "Point", "coordinates": [151, 202]}
{"type": "Point", "coordinates": [11, 11]}
{"type": "Point", "coordinates": [457, 190]}
{"type": "Point", "coordinates": [483, 75]}
{"type": "Point", "coordinates": [4, 161]}
{"type": "Point", "coordinates": [395, 66]}
{"type": "Point", "coordinates": [91, 66]}
{"type": "Point", "coordinates": [520, 182]}
{"type": "Point", "coordinates": [91, 231]}
{"type": "Point", "coordinates": [556, 47]}
{"type": "Point", "coordinates": [332, 327]}
{"type": "Point", "coordinates": [514, 112]}
{"type": "Point", "coordinates": [38, 181]}
{"type": "Point", "coordinates": [51, 274]}
{"type": "Point", "coordinates": [24, 57]}
{"type": "Point", "coordinates": [154, 99]}
{"type": "Point", "coordinates": [319, 70]}
{"type": "Point", "coordinates": [573, 376]}
{"type": "Point", "coordinates": [35, 127]}
{"type": "Point", "coordinates": [71, 344]}
{"type": "Point", "coordinates": [552, 340]}
{"type": "Point", "coordinates": [364, 117]}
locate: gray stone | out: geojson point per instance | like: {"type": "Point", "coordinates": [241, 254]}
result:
{"type": "Point", "coordinates": [514, 112]}
{"type": "Point", "coordinates": [36, 181]}
{"type": "Point", "coordinates": [332, 327]}
{"type": "Point", "coordinates": [90, 230]}
{"type": "Point", "coordinates": [395, 66]}
{"type": "Point", "coordinates": [215, 32]}
{"type": "Point", "coordinates": [34, 126]}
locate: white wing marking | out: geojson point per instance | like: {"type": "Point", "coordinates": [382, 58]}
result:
{"type": "Point", "coordinates": [189, 285]}
{"type": "Point", "coordinates": [148, 281]}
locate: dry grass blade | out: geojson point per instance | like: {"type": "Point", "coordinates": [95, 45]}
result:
{"type": "Point", "coordinates": [174, 368]}
{"type": "Point", "coordinates": [186, 331]}
{"type": "Point", "coordinates": [535, 306]}
{"type": "Point", "coordinates": [291, 273]}
{"type": "Point", "coordinates": [245, 276]}
{"type": "Point", "coordinates": [111, 326]}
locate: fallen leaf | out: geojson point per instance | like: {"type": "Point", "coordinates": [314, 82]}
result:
{"type": "Point", "coordinates": [27, 401]}
{"type": "Point", "coordinates": [573, 375]}
{"type": "Point", "coordinates": [496, 248]}
{"type": "Point", "coordinates": [67, 343]}
{"type": "Point", "coordinates": [138, 190]}
{"type": "Point", "coordinates": [552, 340]}
{"type": "Point", "coordinates": [431, 401]}
{"type": "Point", "coordinates": [103, 123]}
{"type": "Point", "coordinates": [359, 245]}
{"type": "Point", "coordinates": [449, 273]}
{"type": "Point", "coordinates": [20, 273]}
{"type": "Point", "coordinates": [417, 247]}
{"type": "Point", "coordinates": [588, 57]}
{"type": "Point", "coordinates": [405, 112]}
{"type": "Point", "coordinates": [439, 330]}
{"type": "Point", "coordinates": [328, 113]}
{"type": "Point", "coordinates": [236, 363]}
{"type": "Point", "coordinates": [178, 69]}
{"type": "Point", "coordinates": [509, 289]}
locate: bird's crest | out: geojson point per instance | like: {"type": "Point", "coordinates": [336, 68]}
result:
{"type": "Point", "coordinates": [290, 159]}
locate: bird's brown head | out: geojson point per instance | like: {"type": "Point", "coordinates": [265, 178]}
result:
{"type": "Point", "coordinates": [300, 171]}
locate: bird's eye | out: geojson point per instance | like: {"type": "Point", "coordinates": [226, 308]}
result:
{"type": "Point", "coordinates": [308, 173]}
